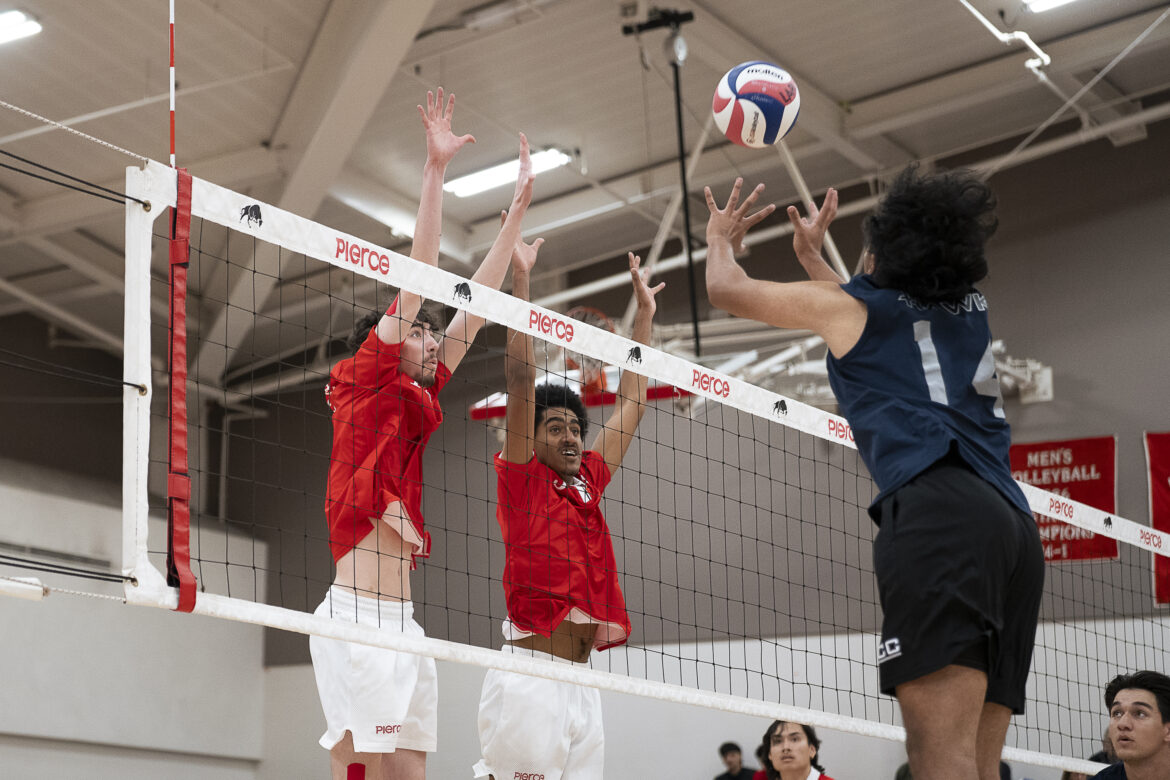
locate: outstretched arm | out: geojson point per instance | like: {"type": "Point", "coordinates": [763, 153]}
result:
{"type": "Point", "coordinates": [615, 436]}
{"type": "Point", "coordinates": [820, 306]}
{"type": "Point", "coordinates": [464, 327]}
{"type": "Point", "coordinates": [442, 144]}
{"type": "Point", "coordinates": [520, 366]}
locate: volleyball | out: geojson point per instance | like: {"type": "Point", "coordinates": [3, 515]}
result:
{"type": "Point", "coordinates": [756, 104]}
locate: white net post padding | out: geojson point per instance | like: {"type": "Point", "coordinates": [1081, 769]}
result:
{"type": "Point", "coordinates": [156, 183]}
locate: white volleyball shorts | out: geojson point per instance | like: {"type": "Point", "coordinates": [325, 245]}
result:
{"type": "Point", "coordinates": [531, 728]}
{"type": "Point", "coordinates": [386, 699]}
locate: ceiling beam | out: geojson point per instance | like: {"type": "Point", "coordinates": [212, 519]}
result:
{"type": "Point", "coordinates": [717, 43]}
{"type": "Point", "coordinates": [326, 114]}
{"type": "Point", "coordinates": [86, 292]}
{"type": "Point", "coordinates": [1104, 103]}
{"type": "Point", "coordinates": [996, 79]}
{"type": "Point", "coordinates": [65, 211]}
{"type": "Point", "coordinates": [65, 318]}
{"type": "Point", "coordinates": [396, 211]}
{"type": "Point", "coordinates": [547, 216]}
{"type": "Point", "coordinates": [94, 271]}
{"type": "Point", "coordinates": [864, 120]}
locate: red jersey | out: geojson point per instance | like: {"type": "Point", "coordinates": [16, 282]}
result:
{"type": "Point", "coordinates": [559, 554]}
{"type": "Point", "coordinates": [382, 420]}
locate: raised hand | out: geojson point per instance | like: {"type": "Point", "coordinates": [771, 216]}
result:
{"type": "Point", "coordinates": [523, 255]}
{"type": "Point", "coordinates": [642, 291]}
{"type": "Point", "coordinates": [522, 197]}
{"type": "Point", "coordinates": [442, 144]}
{"type": "Point", "coordinates": [731, 222]}
{"type": "Point", "coordinates": [808, 235]}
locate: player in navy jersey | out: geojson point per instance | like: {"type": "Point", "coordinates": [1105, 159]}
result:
{"type": "Point", "coordinates": [957, 556]}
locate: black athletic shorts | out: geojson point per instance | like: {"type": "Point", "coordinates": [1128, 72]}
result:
{"type": "Point", "coordinates": [960, 573]}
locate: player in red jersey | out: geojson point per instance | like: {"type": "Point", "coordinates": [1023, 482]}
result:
{"type": "Point", "coordinates": [380, 706]}
{"type": "Point", "coordinates": [560, 577]}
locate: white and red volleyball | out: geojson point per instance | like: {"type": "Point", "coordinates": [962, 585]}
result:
{"type": "Point", "coordinates": [756, 104]}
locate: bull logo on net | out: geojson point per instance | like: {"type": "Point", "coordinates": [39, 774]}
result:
{"type": "Point", "coordinates": [463, 292]}
{"type": "Point", "coordinates": [780, 408]}
{"type": "Point", "coordinates": [251, 212]}
{"type": "Point", "coordinates": [634, 356]}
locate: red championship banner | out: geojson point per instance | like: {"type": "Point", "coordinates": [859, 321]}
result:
{"type": "Point", "coordinates": [1158, 460]}
{"type": "Point", "coordinates": [1084, 470]}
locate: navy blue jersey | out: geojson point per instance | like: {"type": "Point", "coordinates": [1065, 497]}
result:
{"type": "Point", "coordinates": [920, 380]}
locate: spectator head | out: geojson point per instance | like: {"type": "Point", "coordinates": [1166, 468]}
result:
{"type": "Point", "coordinates": [732, 757]}
{"type": "Point", "coordinates": [1139, 716]}
{"type": "Point", "coordinates": [792, 747]}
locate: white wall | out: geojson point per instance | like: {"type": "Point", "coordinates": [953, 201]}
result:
{"type": "Point", "coordinates": [94, 688]}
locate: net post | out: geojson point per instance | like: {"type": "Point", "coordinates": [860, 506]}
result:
{"type": "Point", "coordinates": [148, 184]}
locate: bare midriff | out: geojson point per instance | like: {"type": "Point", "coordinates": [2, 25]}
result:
{"type": "Point", "coordinates": [379, 566]}
{"type": "Point", "coordinates": [571, 641]}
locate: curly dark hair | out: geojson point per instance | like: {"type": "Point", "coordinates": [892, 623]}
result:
{"type": "Point", "coordinates": [550, 396]}
{"type": "Point", "coordinates": [427, 315]}
{"type": "Point", "coordinates": [766, 747]}
{"type": "Point", "coordinates": [927, 234]}
{"type": "Point", "coordinates": [1154, 682]}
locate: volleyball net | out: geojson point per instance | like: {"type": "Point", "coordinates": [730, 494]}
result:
{"type": "Point", "coordinates": [738, 517]}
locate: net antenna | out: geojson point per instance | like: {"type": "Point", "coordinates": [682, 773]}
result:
{"type": "Point", "coordinates": [172, 77]}
{"type": "Point", "coordinates": [178, 478]}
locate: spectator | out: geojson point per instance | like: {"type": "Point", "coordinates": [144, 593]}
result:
{"type": "Point", "coordinates": [762, 757]}
{"type": "Point", "coordinates": [1139, 726]}
{"type": "Point", "coordinates": [1103, 756]}
{"type": "Point", "coordinates": [793, 750]}
{"type": "Point", "coordinates": [733, 759]}
{"type": "Point", "coordinates": [1106, 755]}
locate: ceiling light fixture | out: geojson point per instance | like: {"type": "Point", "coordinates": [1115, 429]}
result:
{"type": "Point", "coordinates": [1040, 6]}
{"type": "Point", "coordinates": [15, 25]}
{"type": "Point", "coordinates": [504, 173]}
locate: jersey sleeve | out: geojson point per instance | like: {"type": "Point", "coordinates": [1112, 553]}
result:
{"type": "Point", "coordinates": [442, 376]}
{"type": "Point", "coordinates": [597, 474]}
{"type": "Point", "coordinates": [376, 363]}
{"type": "Point", "coordinates": [513, 483]}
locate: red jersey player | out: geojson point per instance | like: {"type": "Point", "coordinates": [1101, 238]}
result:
{"type": "Point", "coordinates": [560, 578]}
{"type": "Point", "coordinates": [380, 706]}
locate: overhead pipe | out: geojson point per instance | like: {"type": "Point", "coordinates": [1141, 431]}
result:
{"type": "Point", "coordinates": [1041, 60]}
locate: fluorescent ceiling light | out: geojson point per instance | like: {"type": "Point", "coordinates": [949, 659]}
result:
{"type": "Point", "coordinates": [1040, 6]}
{"type": "Point", "coordinates": [504, 173]}
{"type": "Point", "coordinates": [17, 24]}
